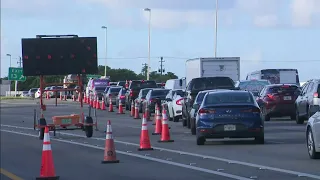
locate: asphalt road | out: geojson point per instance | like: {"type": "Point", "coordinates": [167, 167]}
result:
{"type": "Point", "coordinates": [283, 156]}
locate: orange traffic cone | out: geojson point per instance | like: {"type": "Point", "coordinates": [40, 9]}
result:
{"type": "Point", "coordinates": [91, 101]}
{"type": "Point", "coordinates": [120, 110]}
{"type": "Point", "coordinates": [94, 102]}
{"type": "Point", "coordinates": [103, 105]}
{"type": "Point", "coordinates": [145, 144]}
{"type": "Point", "coordinates": [60, 96]}
{"type": "Point", "coordinates": [136, 109]}
{"type": "Point", "coordinates": [165, 134]}
{"type": "Point", "coordinates": [110, 106]}
{"type": "Point", "coordinates": [47, 95]}
{"type": "Point", "coordinates": [73, 98]}
{"type": "Point", "coordinates": [79, 98]}
{"type": "Point", "coordinates": [109, 150]}
{"type": "Point", "coordinates": [158, 127]}
{"type": "Point", "coordinates": [47, 170]}
{"type": "Point", "coordinates": [97, 103]}
{"type": "Point", "coordinates": [132, 109]}
{"type": "Point", "coordinates": [65, 97]}
{"type": "Point", "coordinates": [146, 113]}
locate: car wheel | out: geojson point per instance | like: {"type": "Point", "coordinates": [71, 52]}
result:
{"type": "Point", "coordinates": [201, 140]}
{"type": "Point", "coordinates": [266, 117]}
{"type": "Point", "coordinates": [299, 120]}
{"type": "Point", "coordinates": [193, 128]}
{"type": "Point", "coordinates": [188, 122]}
{"type": "Point", "coordinates": [168, 114]}
{"type": "Point", "coordinates": [184, 122]}
{"type": "Point", "coordinates": [311, 146]}
{"type": "Point", "coordinates": [259, 139]}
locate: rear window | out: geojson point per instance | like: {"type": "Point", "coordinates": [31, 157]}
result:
{"type": "Point", "coordinates": [228, 98]}
{"type": "Point", "coordinates": [113, 90]}
{"type": "Point", "coordinates": [100, 88]}
{"type": "Point", "coordinates": [200, 98]}
{"type": "Point", "coordinates": [121, 83]}
{"type": "Point", "coordinates": [123, 91]}
{"type": "Point", "coordinates": [143, 84]}
{"type": "Point", "coordinates": [145, 92]}
{"type": "Point", "coordinates": [212, 83]}
{"type": "Point", "coordinates": [254, 86]}
{"type": "Point", "coordinates": [283, 89]}
{"type": "Point", "coordinates": [159, 92]}
{"type": "Point", "coordinates": [180, 93]}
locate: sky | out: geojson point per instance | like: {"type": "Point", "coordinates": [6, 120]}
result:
{"type": "Point", "coordinates": [263, 33]}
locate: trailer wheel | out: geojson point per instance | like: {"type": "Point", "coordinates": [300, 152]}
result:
{"type": "Point", "coordinates": [89, 131]}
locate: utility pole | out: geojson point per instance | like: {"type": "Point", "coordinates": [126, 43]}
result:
{"type": "Point", "coordinates": [16, 82]}
{"type": "Point", "coordinates": [161, 70]}
{"type": "Point", "coordinates": [145, 69]}
{"type": "Point", "coordinates": [20, 62]}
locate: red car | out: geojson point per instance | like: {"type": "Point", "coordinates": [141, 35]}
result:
{"type": "Point", "coordinates": [278, 100]}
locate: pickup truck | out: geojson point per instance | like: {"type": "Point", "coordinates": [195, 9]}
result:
{"type": "Point", "coordinates": [134, 88]}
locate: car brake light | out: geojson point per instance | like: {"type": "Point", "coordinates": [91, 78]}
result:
{"type": "Point", "coordinates": [285, 86]}
{"type": "Point", "coordinates": [315, 95]}
{"type": "Point", "coordinates": [270, 97]}
{"type": "Point", "coordinates": [206, 111]}
{"type": "Point", "coordinates": [178, 102]}
{"type": "Point", "coordinates": [122, 97]}
{"type": "Point", "coordinates": [142, 81]}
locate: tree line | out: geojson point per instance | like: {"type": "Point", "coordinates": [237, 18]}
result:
{"type": "Point", "coordinates": [115, 75]}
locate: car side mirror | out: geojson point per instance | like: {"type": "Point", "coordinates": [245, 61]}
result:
{"type": "Point", "coordinates": [195, 106]}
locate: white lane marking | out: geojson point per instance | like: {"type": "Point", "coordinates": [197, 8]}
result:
{"type": "Point", "coordinates": [143, 157]}
{"type": "Point", "coordinates": [198, 155]}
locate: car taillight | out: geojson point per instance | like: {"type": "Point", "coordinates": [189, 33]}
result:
{"type": "Point", "coordinates": [285, 86]}
{"type": "Point", "coordinates": [252, 110]}
{"type": "Point", "coordinates": [206, 111]}
{"type": "Point", "coordinates": [122, 97]}
{"type": "Point", "coordinates": [315, 95]}
{"type": "Point", "coordinates": [131, 93]}
{"type": "Point", "coordinates": [270, 97]}
{"type": "Point", "coordinates": [178, 102]}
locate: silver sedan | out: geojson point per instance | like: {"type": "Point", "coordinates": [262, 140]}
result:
{"type": "Point", "coordinates": [313, 136]}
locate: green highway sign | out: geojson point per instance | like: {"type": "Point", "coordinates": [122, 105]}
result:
{"type": "Point", "coordinates": [93, 76]}
{"type": "Point", "coordinates": [16, 74]}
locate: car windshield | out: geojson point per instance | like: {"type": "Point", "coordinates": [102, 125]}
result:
{"type": "Point", "coordinates": [113, 90]}
{"type": "Point", "coordinates": [292, 89]}
{"type": "Point", "coordinates": [155, 93]}
{"type": "Point", "coordinates": [212, 83]}
{"type": "Point", "coordinates": [143, 84]}
{"type": "Point", "coordinates": [228, 98]}
{"type": "Point", "coordinates": [200, 97]}
{"type": "Point", "coordinates": [254, 86]}
{"type": "Point", "coordinates": [144, 92]}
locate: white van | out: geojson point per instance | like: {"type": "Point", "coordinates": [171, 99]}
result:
{"type": "Point", "coordinates": [175, 84]}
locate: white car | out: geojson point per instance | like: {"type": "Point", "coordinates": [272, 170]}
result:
{"type": "Point", "coordinates": [313, 136]}
{"type": "Point", "coordinates": [174, 104]}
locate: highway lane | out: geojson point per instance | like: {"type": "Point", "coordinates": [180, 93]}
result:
{"type": "Point", "coordinates": [285, 147]}
{"type": "Point", "coordinates": [21, 155]}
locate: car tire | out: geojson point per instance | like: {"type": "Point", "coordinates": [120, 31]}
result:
{"type": "Point", "coordinates": [188, 123]}
{"type": "Point", "coordinates": [266, 117]}
{"type": "Point", "coordinates": [176, 118]}
{"type": "Point", "coordinates": [89, 131]}
{"type": "Point", "coordinates": [201, 141]}
{"type": "Point", "coordinates": [168, 114]}
{"type": "Point", "coordinates": [311, 146]}
{"type": "Point", "coordinates": [259, 139]}
{"type": "Point", "coordinates": [193, 128]}
{"type": "Point", "coordinates": [299, 120]}
{"type": "Point", "coordinates": [184, 122]}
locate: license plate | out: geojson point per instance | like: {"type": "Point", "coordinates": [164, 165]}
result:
{"type": "Point", "coordinates": [66, 121]}
{"type": "Point", "coordinates": [229, 127]}
{"type": "Point", "coordinates": [287, 98]}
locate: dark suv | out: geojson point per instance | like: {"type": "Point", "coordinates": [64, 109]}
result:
{"type": "Point", "coordinates": [200, 84]}
{"type": "Point", "coordinates": [134, 88]}
{"type": "Point", "coordinates": [278, 100]}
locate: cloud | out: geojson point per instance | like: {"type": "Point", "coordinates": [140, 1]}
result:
{"type": "Point", "coordinates": [303, 11]}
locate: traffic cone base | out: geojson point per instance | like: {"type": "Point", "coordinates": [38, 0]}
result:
{"type": "Point", "coordinates": [145, 149]}
{"type": "Point", "coordinates": [48, 178]}
{"type": "Point", "coordinates": [166, 141]}
{"type": "Point", "coordinates": [110, 162]}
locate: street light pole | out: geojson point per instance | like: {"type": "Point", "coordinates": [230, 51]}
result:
{"type": "Point", "coordinates": [149, 42]}
{"type": "Point", "coordinates": [8, 77]}
{"type": "Point", "coordinates": [16, 82]}
{"type": "Point", "coordinates": [216, 31]}
{"type": "Point", "coordinates": [105, 62]}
